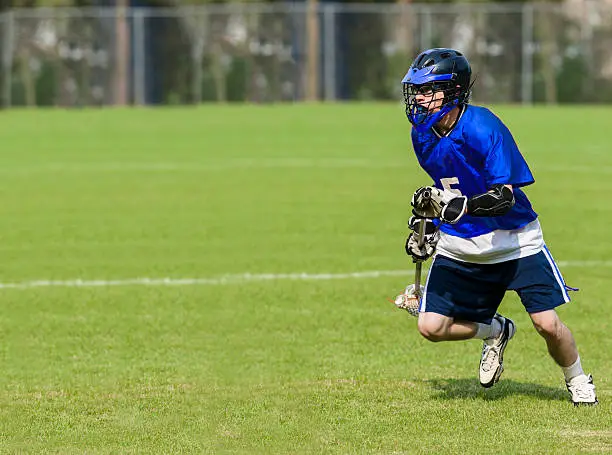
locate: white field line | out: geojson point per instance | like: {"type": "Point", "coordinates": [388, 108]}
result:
{"type": "Point", "coordinates": [243, 278]}
{"type": "Point", "coordinates": [230, 164]}
{"type": "Point", "coordinates": [249, 163]}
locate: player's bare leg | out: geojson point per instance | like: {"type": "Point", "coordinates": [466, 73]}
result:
{"type": "Point", "coordinates": [559, 339]}
{"type": "Point", "coordinates": [436, 327]}
{"type": "Point", "coordinates": [562, 348]}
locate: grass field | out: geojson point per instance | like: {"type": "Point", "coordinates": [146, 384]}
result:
{"type": "Point", "coordinates": [237, 363]}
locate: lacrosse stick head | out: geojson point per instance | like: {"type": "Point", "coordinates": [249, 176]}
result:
{"type": "Point", "coordinates": [408, 303]}
{"type": "Point", "coordinates": [410, 300]}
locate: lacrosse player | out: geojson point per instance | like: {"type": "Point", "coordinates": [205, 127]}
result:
{"type": "Point", "coordinates": [480, 228]}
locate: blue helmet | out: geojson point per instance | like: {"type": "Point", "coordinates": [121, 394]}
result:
{"type": "Point", "coordinates": [434, 70]}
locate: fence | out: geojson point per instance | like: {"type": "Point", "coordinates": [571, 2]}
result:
{"type": "Point", "coordinates": [527, 53]}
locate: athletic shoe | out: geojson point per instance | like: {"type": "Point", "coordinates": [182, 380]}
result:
{"type": "Point", "coordinates": [582, 390]}
{"type": "Point", "coordinates": [492, 360]}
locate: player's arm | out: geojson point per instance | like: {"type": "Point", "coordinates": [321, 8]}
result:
{"type": "Point", "coordinates": [450, 208]}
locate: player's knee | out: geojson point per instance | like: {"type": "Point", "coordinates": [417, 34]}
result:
{"type": "Point", "coordinates": [549, 325]}
{"type": "Point", "coordinates": [432, 330]}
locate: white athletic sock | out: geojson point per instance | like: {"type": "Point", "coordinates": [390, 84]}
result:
{"type": "Point", "coordinates": [483, 332]}
{"type": "Point", "coordinates": [575, 369]}
{"type": "Point", "coordinates": [486, 331]}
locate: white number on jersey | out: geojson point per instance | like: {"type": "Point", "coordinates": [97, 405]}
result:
{"type": "Point", "coordinates": [447, 182]}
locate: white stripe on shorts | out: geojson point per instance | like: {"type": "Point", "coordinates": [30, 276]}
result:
{"type": "Point", "coordinates": [424, 298]}
{"type": "Point", "coordinates": [557, 273]}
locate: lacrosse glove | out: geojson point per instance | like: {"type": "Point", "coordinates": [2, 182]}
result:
{"type": "Point", "coordinates": [432, 235]}
{"type": "Point", "coordinates": [442, 204]}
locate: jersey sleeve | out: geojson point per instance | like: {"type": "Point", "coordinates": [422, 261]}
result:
{"type": "Point", "coordinates": [504, 163]}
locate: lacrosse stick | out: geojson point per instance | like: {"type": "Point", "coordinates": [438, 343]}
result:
{"type": "Point", "coordinates": [410, 302]}
{"type": "Point", "coordinates": [419, 264]}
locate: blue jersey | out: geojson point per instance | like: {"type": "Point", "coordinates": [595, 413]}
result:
{"type": "Point", "coordinates": [478, 152]}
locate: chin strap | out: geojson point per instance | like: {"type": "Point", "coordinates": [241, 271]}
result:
{"type": "Point", "coordinates": [432, 119]}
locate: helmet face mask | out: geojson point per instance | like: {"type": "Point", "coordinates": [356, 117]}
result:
{"type": "Point", "coordinates": [428, 99]}
{"type": "Point", "coordinates": [437, 81]}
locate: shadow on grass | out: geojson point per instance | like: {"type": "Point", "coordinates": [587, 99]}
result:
{"type": "Point", "coordinates": [452, 389]}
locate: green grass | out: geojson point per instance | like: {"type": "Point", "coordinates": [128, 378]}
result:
{"type": "Point", "coordinates": [279, 366]}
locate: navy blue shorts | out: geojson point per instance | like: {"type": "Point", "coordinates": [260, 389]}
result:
{"type": "Point", "coordinates": [473, 292]}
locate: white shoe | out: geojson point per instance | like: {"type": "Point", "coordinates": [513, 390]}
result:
{"type": "Point", "coordinates": [492, 359]}
{"type": "Point", "coordinates": [582, 390]}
